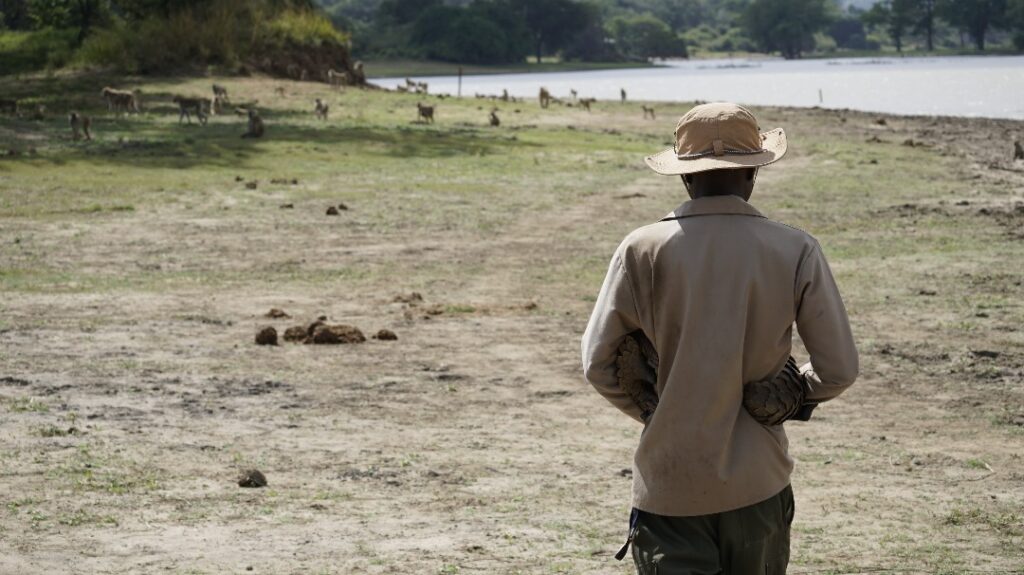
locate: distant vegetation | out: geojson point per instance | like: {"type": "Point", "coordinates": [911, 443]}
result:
{"type": "Point", "coordinates": [506, 31]}
{"type": "Point", "coordinates": [301, 38]}
{"type": "Point", "coordinates": [148, 36]}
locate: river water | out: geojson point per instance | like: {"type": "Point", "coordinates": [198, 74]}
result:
{"type": "Point", "coordinates": [986, 86]}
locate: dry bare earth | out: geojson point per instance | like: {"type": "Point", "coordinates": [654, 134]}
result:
{"type": "Point", "coordinates": [470, 444]}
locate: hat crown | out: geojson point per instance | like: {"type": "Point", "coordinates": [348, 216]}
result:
{"type": "Point", "coordinates": [717, 129]}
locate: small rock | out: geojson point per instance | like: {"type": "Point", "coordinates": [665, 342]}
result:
{"type": "Point", "coordinates": [530, 306]}
{"type": "Point", "coordinates": [266, 336]}
{"type": "Point", "coordinates": [252, 185]}
{"type": "Point", "coordinates": [386, 335]}
{"type": "Point", "coordinates": [287, 206]}
{"type": "Point", "coordinates": [337, 335]}
{"type": "Point", "coordinates": [927, 292]}
{"type": "Point", "coordinates": [239, 179]}
{"type": "Point", "coordinates": [332, 211]}
{"type": "Point", "coordinates": [343, 207]}
{"type": "Point", "coordinates": [276, 313]}
{"type": "Point", "coordinates": [252, 478]}
{"type": "Point", "coordinates": [988, 354]}
{"type": "Point", "coordinates": [296, 333]}
{"type": "Point", "coordinates": [881, 122]}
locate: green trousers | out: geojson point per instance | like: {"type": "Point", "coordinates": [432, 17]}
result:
{"type": "Point", "coordinates": [753, 540]}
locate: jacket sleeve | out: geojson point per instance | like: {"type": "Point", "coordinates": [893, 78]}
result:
{"type": "Point", "coordinates": [824, 328]}
{"type": "Point", "coordinates": [614, 317]}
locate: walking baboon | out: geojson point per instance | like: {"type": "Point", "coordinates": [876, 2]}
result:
{"type": "Point", "coordinates": [1018, 150]}
{"type": "Point", "coordinates": [648, 112]}
{"type": "Point", "coordinates": [586, 102]}
{"type": "Point", "coordinates": [80, 126]}
{"type": "Point", "coordinates": [197, 105]}
{"type": "Point", "coordinates": [545, 98]}
{"type": "Point", "coordinates": [335, 79]}
{"type": "Point", "coordinates": [255, 125]}
{"type": "Point", "coordinates": [322, 109]}
{"type": "Point", "coordinates": [120, 101]}
{"type": "Point", "coordinates": [574, 94]}
{"type": "Point", "coordinates": [504, 95]}
{"type": "Point", "coordinates": [9, 106]}
{"type": "Point", "coordinates": [221, 93]}
{"type": "Point", "coordinates": [495, 121]}
{"type": "Point", "coordinates": [622, 92]}
{"type": "Point", "coordinates": [426, 113]}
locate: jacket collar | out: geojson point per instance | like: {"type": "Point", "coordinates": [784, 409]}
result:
{"type": "Point", "coordinates": [714, 205]}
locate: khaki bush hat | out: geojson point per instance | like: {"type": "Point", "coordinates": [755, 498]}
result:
{"type": "Point", "coordinates": [719, 136]}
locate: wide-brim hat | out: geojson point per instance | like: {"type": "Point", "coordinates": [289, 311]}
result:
{"type": "Point", "coordinates": [719, 136]}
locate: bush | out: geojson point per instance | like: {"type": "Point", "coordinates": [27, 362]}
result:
{"type": "Point", "coordinates": [26, 51]}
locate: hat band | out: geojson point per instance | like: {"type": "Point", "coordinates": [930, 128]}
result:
{"type": "Point", "coordinates": [713, 153]}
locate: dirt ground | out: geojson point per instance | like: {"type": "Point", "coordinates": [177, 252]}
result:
{"type": "Point", "coordinates": [132, 394]}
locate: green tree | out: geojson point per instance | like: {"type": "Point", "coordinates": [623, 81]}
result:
{"type": "Point", "coordinates": [1015, 21]}
{"type": "Point", "coordinates": [786, 26]}
{"type": "Point", "coordinates": [974, 16]}
{"type": "Point", "coordinates": [926, 21]}
{"type": "Point", "coordinates": [83, 15]}
{"type": "Point", "coordinates": [897, 17]}
{"type": "Point", "coordinates": [14, 14]}
{"type": "Point", "coordinates": [553, 24]}
{"type": "Point", "coordinates": [646, 37]}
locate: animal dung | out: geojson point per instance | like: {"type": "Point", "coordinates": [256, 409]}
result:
{"type": "Point", "coordinates": [266, 336]}
{"type": "Point", "coordinates": [336, 335]}
{"type": "Point", "coordinates": [386, 335]}
{"type": "Point", "coordinates": [252, 478]}
{"type": "Point", "coordinates": [332, 211]}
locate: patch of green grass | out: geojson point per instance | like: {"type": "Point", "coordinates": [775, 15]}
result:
{"type": "Point", "coordinates": [25, 404]}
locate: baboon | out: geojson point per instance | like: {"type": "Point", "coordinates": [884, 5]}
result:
{"type": "Point", "coordinates": [504, 95]}
{"type": "Point", "coordinates": [221, 93]}
{"type": "Point", "coordinates": [9, 106]}
{"type": "Point", "coordinates": [120, 101]}
{"type": "Point", "coordinates": [197, 105]}
{"type": "Point", "coordinates": [422, 88]}
{"type": "Point", "coordinates": [1018, 151]}
{"type": "Point", "coordinates": [586, 102]}
{"type": "Point", "coordinates": [358, 74]}
{"type": "Point", "coordinates": [410, 84]}
{"type": "Point", "coordinates": [574, 94]}
{"type": "Point", "coordinates": [622, 92]}
{"type": "Point", "coordinates": [279, 91]}
{"type": "Point", "coordinates": [255, 125]}
{"type": "Point", "coordinates": [80, 126]}
{"type": "Point", "coordinates": [426, 113]}
{"type": "Point", "coordinates": [322, 109]}
{"type": "Point", "coordinates": [495, 121]}
{"type": "Point", "coordinates": [648, 112]}
{"type": "Point", "coordinates": [335, 79]}
{"type": "Point", "coordinates": [545, 98]}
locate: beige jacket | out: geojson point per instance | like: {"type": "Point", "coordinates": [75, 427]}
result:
{"type": "Point", "coordinates": [717, 288]}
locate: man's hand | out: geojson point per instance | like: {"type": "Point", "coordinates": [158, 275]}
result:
{"type": "Point", "coordinates": [769, 402]}
{"type": "Point", "coordinates": [637, 370]}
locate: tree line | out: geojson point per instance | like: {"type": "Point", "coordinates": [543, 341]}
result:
{"type": "Point", "coordinates": [493, 31]}
{"type": "Point", "coordinates": [153, 34]}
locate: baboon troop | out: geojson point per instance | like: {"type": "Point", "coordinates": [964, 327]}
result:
{"type": "Point", "coordinates": [586, 102]}
{"type": "Point", "coordinates": [120, 101]}
{"type": "Point", "coordinates": [545, 98]}
{"type": "Point", "coordinates": [80, 126]}
{"type": "Point", "coordinates": [648, 112]}
{"type": "Point", "coordinates": [425, 113]}
{"type": "Point", "coordinates": [495, 120]}
{"type": "Point", "coordinates": [322, 109]}
{"type": "Point", "coordinates": [222, 93]}
{"type": "Point", "coordinates": [622, 92]}
{"type": "Point", "coordinates": [414, 87]}
{"type": "Point", "coordinates": [335, 79]}
{"type": "Point", "coordinates": [1018, 150]}
{"type": "Point", "coordinates": [255, 125]}
{"type": "Point", "coordinates": [199, 106]}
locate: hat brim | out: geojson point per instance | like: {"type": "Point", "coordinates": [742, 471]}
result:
{"type": "Point", "coordinates": [667, 163]}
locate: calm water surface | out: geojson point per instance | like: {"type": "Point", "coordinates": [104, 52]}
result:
{"type": "Point", "coordinates": [987, 86]}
